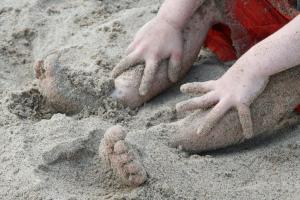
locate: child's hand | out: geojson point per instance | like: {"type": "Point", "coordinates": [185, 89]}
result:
{"type": "Point", "coordinates": [155, 41]}
{"type": "Point", "coordinates": [236, 88]}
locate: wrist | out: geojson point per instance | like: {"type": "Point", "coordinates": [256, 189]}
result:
{"type": "Point", "coordinates": [251, 65]}
{"type": "Point", "coordinates": [178, 12]}
{"type": "Point", "coordinates": [176, 24]}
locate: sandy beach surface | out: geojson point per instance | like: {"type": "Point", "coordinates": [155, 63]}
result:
{"type": "Point", "coordinates": [50, 155]}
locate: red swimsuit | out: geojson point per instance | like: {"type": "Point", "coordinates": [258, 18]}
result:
{"type": "Point", "coordinates": [246, 23]}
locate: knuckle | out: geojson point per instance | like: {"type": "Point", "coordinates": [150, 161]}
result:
{"type": "Point", "coordinates": [238, 99]}
{"type": "Point", "coordinates": [142, 48]}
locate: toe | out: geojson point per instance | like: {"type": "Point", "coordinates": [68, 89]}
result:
{"type": "Point", "coordinates": [120, 147]}
{"type": "Point", "coordinates": [114, 134]}
{"type": "Point", "coordinates": [132, 168]}
{"type": "Point", "coordinates": [105, 149]}
{"type": "Point", "coordinates": [137, 179]}
{"type": "Point", "coordinates": [122, 159]}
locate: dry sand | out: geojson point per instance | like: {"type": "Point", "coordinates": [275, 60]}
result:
{"type": "Point", "coordinates": [48, 155]}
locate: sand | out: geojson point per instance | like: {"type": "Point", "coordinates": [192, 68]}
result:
{"type": "Point", "coordinates": [50, 155]}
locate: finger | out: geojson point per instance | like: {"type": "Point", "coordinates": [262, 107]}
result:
{"type": "Point", "coordinates": [132, 46]}
{"type": "Point", "coordinates": [214, 116]}
{"type": "Point", "coordinates": [197, 87]}
{"type": "Point", "coordinates": [148, 77]}
{"type": "Point", "coordinates": [174, 66]}
{"type": "Point", "coordinates": [204, 101]}
{"type": "Point", "coordinates": [246, 121]}
{"type": "Point", "coordinates": [125, 64]}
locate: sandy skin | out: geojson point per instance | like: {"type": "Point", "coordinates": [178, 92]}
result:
{"type": "Point", "coordinates": [65, 91]}
{"type": "Point", "coordinates": [55, 87]}
{"type": "Point", "coordinates": [273, 110]}
{"type": "Point", "coordinates": [127, 82]}
{"type": "Point", "coordinates": [118, 155]}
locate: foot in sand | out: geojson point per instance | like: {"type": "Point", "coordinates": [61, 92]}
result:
{"type": "Point", "coordinates": [53, 85]}
{"type": "Point", "coordinates": [128, 83]}
{"type": "Point", "coordinates": [121, 157]}
{"type": "Point", "coordinates": [56, 84]}
{"type": "Point", "coordinates": [271, 111]}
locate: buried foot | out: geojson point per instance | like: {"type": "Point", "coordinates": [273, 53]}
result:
{"type": "Point", "coordinates": [121, 157]}
{"type": "Point", "coordinates": [67, 91]}
{"type": "Point", "coordinates": [272, 110]}
{"type": "Point", "coordinates": [52, 85]}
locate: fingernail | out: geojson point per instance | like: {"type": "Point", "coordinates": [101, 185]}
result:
{"type": "Point", "coordinates": [183, 88]}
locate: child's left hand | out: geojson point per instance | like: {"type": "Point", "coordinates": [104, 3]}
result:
{"type": "Point", "coordinates": [238, 87]}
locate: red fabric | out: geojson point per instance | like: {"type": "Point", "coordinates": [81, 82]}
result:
{"type": "Point", "coordinates": [298, 109]}
{"type": "Point", "coordinates": [219, 41]}
{"type": "Point", "coordinates": [246, 23]}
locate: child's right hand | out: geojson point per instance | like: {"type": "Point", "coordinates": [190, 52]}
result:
{"type": "Point", "coordinates": [155, 41]}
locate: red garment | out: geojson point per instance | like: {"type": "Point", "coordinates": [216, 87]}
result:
{"type": "Point", "coordinates": [298, 109]}
{"type": "Point", "coordinates": [247, 22]}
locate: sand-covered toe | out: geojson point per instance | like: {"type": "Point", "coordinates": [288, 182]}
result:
{"type": "Point", "coordinates": [122, 158]}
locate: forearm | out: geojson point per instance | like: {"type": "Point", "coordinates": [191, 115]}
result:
{"type": "Point", "coordinates": [178, 12]}
{"type": "Point", "coordinates": [277, 53]}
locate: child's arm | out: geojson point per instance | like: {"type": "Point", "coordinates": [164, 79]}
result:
{"type": "Point", "coordinates": [276, 53]}
{"type": "Point", "coordinates": [178, 12]}
{"type": "Point", "coordinates": [246, 79]}
{"type": "Point", "coordinates": [159, 39]}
